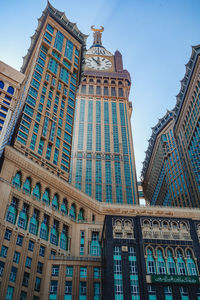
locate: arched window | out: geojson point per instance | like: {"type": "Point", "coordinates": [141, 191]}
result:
{"type": "Point", "coordinates": [33, 226]}
{"type": "Point", "coordinates": [151, 269]}
{"type": "Point", "coordinates": [171, 265]}
{"type": "Point", "coordinates": [81, 215]}
{"type": "Point", "coordinates": [27, 186]}
{"type": "Point", "coordinates": [72, 212]}
{"type": "Point", "coordinates": [54, 236]}
{"type": "Point", "coordinates": [64, 207]}
{"type": "Point", "coordinates": [64, 239]}
{"type": "Point", "coordinates": [37, 191]}
{"type": "Point", "coordinates": [23, 219]}
{"type": "Point", "coordinates": [10, 90]}
{"type": "Point", "coordinates": [55, 202]}
{"type": "Point", "coordinates": [181, 263]}
{"type": "Point", "coordinates": [17, 180]}
{"type": "Point", "coordinates": [12, 212]}
{"type": "Point", "coordinates": [44, 229]}
{"type": "Point", "coordinates": [161, 268]}
{"type": "Point", "coordinates": [1, 85]}
{"type": "Point", "coordinates": [46, 196]}
{"type": "Point", "coordinates": [191, 266]}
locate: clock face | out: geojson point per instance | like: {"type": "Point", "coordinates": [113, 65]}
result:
{"type": "Point", "coordinates": [98, 63]}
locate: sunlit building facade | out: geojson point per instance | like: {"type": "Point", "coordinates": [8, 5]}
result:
{"type": "Point", "coordinates": [52, 67]}
{"type": "Point", "coordinates": [103, 163]}
{"type": "Point", "coordinates": [171, 167]}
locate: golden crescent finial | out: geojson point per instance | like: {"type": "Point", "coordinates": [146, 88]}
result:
{"type": "Point", "coordinates": [95, 29]}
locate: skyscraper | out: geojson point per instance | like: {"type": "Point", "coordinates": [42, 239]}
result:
{"type": "Point", "coordinates": [52, 67]}
{"type": "Point", "coordinates": [103, 163]}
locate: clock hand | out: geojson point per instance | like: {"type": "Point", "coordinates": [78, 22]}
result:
{"type": "Point", "coordinates": [95, 60]}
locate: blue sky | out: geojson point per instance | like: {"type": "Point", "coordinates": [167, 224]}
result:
{"type": "Point", "coordinates": [154, 37]}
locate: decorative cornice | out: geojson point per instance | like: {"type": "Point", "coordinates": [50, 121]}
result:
{"type": "Point", "coordinates": [61, 18]}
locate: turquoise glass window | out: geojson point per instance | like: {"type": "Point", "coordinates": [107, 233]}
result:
{"type": "Point", "coordinates": [64, 206]}
{"type": "Point", "coordinates": [82, 290]}
{"type": "Point", "coordinates": [46, 197]}
{"type": "Point", "coordinates": [161, 268]}
{"type": "Point", "coordinates": [83, 272]}
{"type": "Point", "coordinates": [171, 265]}
{"type": "Point", "coordinates": [151, 269]}
{"type": "Point", "coordinates": [69, 49]}
{"type": "Point", "coordinates": [59, 41]}
{"type": "Point", "coordinates": [37, 191]}
{"type": "Point", "coordinates": [97, 291]}
{"type": "Point", "coordinates": [12, 212]}
{"type": "Point", "coordinates": [181, 264]}
{"type": "Point", "coordinates": [44, 230]}
{"type": "Point", "coordinates": [23, 219]}
{"type": "Point", "coordinates": [191, 266]}
{"type": "Point", "coordinates": [55, 202]}
{"type": "Point", "coordinates": [81, 215]}
{"type": "Point", "coordinates": [27, 186]}
{"type": "Point", "coordinates": [33, 226]}
{"type": "Point", "coordinates": [9, 293]}
{"type": "Point", "coordinates": [63, 240]}
{"type": "Point", "coordinates": [72, 212]}
{"type": "Point", "coordinates": [17, 180]}
{"type": "Point", "coordinates": [95, 249]}
{"type": "Point", "coordinates": [54, 236]}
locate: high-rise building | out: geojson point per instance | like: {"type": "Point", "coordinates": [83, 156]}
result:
{"type": "Point", "coordinates": [103, 163]}
{"type": "Point", "coordinates": [56, 242]}
{"type": "Point", "coordinates": [52, 66]}
{"type": "Point", "coordinates": [10, 89]}
{"type": "Point", "coordinates": [171, 167]}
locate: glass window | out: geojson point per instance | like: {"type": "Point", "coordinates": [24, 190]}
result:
{"type": "Point", "coordinates": [16, 257]}
{"type": "Point", "coordinates": [39, 267]}
{"type": "Point", "coordinates": [28, 262]}
{"type": "Point", "coordinates": [83, 272]}
{"type": "Point", "coordinates": [55, 270]}
{"type": "Point", "coordinates": [31, 245]}
{"type": "Point", "coordinates": [19, 240]}
{"type": "Point", "coordinates": [82, 290]}
{"type": "Point", "coordinates": [168, 293]}
{"type": "Point", "coordinates": [2, 264]}
{"type": "Point", "coordinates": [23, 295]}
{"type": "Point", "coordinates": [13, 274]}
{"type": "Point", "coordinates": [25, 279]}
{"type": "Point", "coordinates": [150, 262]}
{"type": "Point", "coordinates": [53, 289]}
{"type": "Point", "coordinates": [42, 251]}
{"type": "Point", "coordinates": [8, 234]}
{"type": "Point", "coordinates": [68, 288]}
{"type": "Point", "coordinates": [9, 293]}
{"type": "Point", "coordinates": [97, 273]}
{"type": "Point", "coordinates": [69, 271]}
{"type": "Point", "coordinates": [37, 284]}
{"type": "Point", "coordinates": [152, 292]}
{"type": "Point", "coordinates": [4, 251]}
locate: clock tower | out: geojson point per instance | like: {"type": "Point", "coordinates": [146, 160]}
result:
{"type": "Point", "coordinates": [103, 163]}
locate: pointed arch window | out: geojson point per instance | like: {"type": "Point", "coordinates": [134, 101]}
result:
{"type": "Point", "coordinates": [27, 186]}
{"type": "Point", "coordinates": [37, 191]}
{"type": "Point", "coordinates": [72, 212]}
{"type": "Point", "coordinates": [191, 266]}
{"type": "Point", "coordinates": [181, 263]}
{"type": "Point", "coordinates": [171, 265]}
{"type": "Point", "coordinates": [10, 90]}
{"type": "Point", "coordinates": [33, 226]}
{"type": "Point", "coordinates": [64, 207]}
{"type": "Point", "coordinates": [17, 180]}
{"type": "Point", "coordinates": [54, 235]}
{"type": "Point", "coordinates": [81, 215]}
{"type": "Point", "coordinates": [55, 201]}
{"type": "Point", "coordinates": [23, 218]}
{"type": "Point", "coordinates": [64, 239]}
{"type": "Point", "coordinates": [12, 212]}
{"type": "Point", "coordinates": [151, 269]}
{"type": "Point", "coordinates": [161, 268]}
{"type": "Point", "coordinates": [44, 229]}
{"type": "Point", "coordinates": [46, 196]}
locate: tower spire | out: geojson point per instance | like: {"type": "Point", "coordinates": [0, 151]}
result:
{"type": "Point", "coordinates": [97, 33]}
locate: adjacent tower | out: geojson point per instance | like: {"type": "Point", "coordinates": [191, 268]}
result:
{"type": "Point", "coordinates": [103, 164]}
{"type": "Point", "coordinates": [52, 68]}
